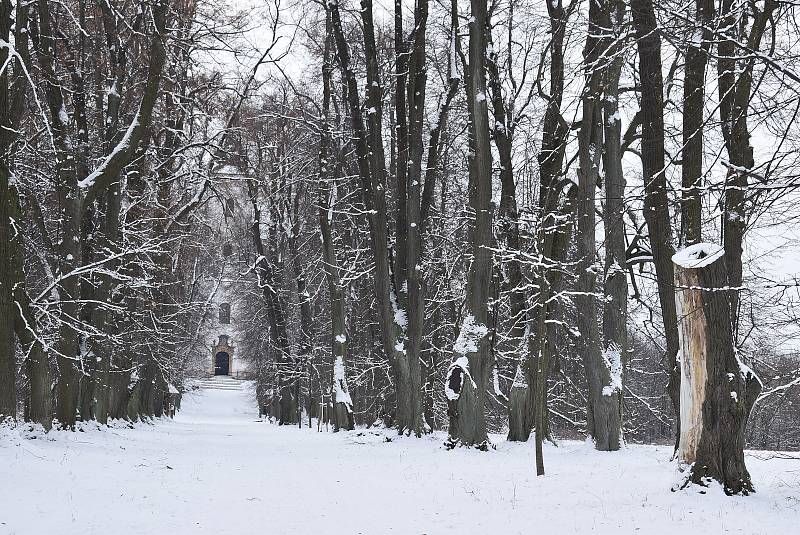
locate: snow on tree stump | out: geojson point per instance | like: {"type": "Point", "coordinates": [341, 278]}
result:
{"type": "Point", "coordinates": [520, 411]}
{"type": "Point", "coordinates": [464, 404]}
{"type": "Point", "coordinates": [717, 389]}
{"type": "Point", "coordinates": [342, 402]}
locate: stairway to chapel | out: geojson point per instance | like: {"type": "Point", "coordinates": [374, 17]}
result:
{"type": "Point", "coordinates": [220, 382]}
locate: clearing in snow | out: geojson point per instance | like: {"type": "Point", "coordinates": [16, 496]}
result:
{"type": "Point", "coordinates": [217, 469]}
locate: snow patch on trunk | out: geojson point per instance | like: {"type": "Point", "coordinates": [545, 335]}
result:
{"type": "Point", "coordinates": [469, 336]}
{"type": "Point", "coordinates": [519, 378]}
{"type": "Point", "coordinates": [341, 395]}
{"type": "Point", "coordinates": [612, 356]}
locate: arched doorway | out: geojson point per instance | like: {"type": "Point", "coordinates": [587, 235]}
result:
{"type": "Point", "coordinates": [222, 357]}
{"type": "Point", "coordinates": [222, 362]}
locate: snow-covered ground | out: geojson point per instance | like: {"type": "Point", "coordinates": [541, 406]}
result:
{"type": "Point", "coordinates": [216, 469]}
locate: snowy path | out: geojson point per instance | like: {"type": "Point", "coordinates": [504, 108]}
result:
{"type": "Point", "coordinates": [215, 469]}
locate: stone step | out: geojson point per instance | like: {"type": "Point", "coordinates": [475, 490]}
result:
{"type": "Point", "coordinates": [220, 382]}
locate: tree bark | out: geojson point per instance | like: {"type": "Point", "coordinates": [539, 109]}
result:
{"type": "Point", "coordinates": [694, 86]}
{"type": "Point", "coordinates": [469, 373]}
{"type": "Point", "coordinates": [414, 246]}
{"type": "Point", "coordinates": [717, 389]}
{"type": "Point", "coordinates": [508, 214]}
{"type": "Point", "coordinates": [401, 106]}
{"type": "Point", "coordinates": [342, 402]}
{"type": "Point", "coordinates": [615, 308]}
{"type": "Point", "coordinates": [656, 206]}
{"type": "Point", "coordinates": [735, 88]}
{"type": "Point", "coordinates": [37, 367]}
{"type": "Point", "coordinates": [371, 170]}
{"type": "Point", "coordinates": [603, 378]}
{"type": "Point", "coordinates": [69, 253]}
{"type": "Point", "coordinates": [555, 211]}
{"type": "Point", "coordinates": [276, 315]}
{"type": "Point", "coordinates": [8, 364]}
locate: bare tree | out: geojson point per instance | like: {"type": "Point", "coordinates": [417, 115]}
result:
{"type": "Point", "coordinates": [603, 367]}
{"type": "Point", "coordinates": [656, 206]}
{"type": "Point", "coordinates": [343, 404]}
{"type": "Point", "coordinates": [469, 373]}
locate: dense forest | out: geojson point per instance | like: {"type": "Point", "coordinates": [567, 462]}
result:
{"type": "Point", "coordinates": [544, 219]}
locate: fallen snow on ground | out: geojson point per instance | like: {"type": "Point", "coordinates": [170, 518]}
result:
{"type": "Point", "coordinates": [216, 469]}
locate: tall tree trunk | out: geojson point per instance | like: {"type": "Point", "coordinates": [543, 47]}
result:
{"type": "Point", "coordinates": [735, 88]}
{"type": "Point", "coordinates": [276, 315]}
{"type": "Point", "coordinates": [8, 364]}
{"type": "Point", "coordinates": [69, 253]}
{"type": "Point", "coordinates": [603, 412]}
{"type": "Point", "coordinates": [717, 389]}
{"type": "Point", "coordinates": [414, 247]}
{"type": "Point", "coordinates": [13, 299]}
{"type": "Point", "coordinates": [401, 107]}
{"type": "Point", "coordinates": [342, 402]}
{"type": "Point", "coordinates": [656, 205]}
{"type": "Point", "coordinates": [694, 87]}
{"type": "Point", "coordinates": [109, 226]}
{"type": "Point", "coordinates": [509, 279]}
{"type": "Point", "coordinates": [305, 346]}
{"type": "Point", "coordinates": [508, 215]}
{"type": "Point", "coordinates": [435, 149]}
{"type": "Point", "coordinates": [37, 367]}
{"type": "Point", "coordinates": [551, 240]}
{"type": "Point", "coordinates": [615, 308]}
{"type": "Point", "coordinates": [469, 373]}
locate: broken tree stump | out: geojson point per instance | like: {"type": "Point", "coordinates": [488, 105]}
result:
{"type": "Point", "coordinates": [717, 389]}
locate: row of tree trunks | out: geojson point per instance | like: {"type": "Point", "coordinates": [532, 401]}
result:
{"type": "Point", "coordinates": [372, 173]}
{"type": "Point", "coordinates": [76, 189]}
{"type": "Point", "coordinates": [146, 398]}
